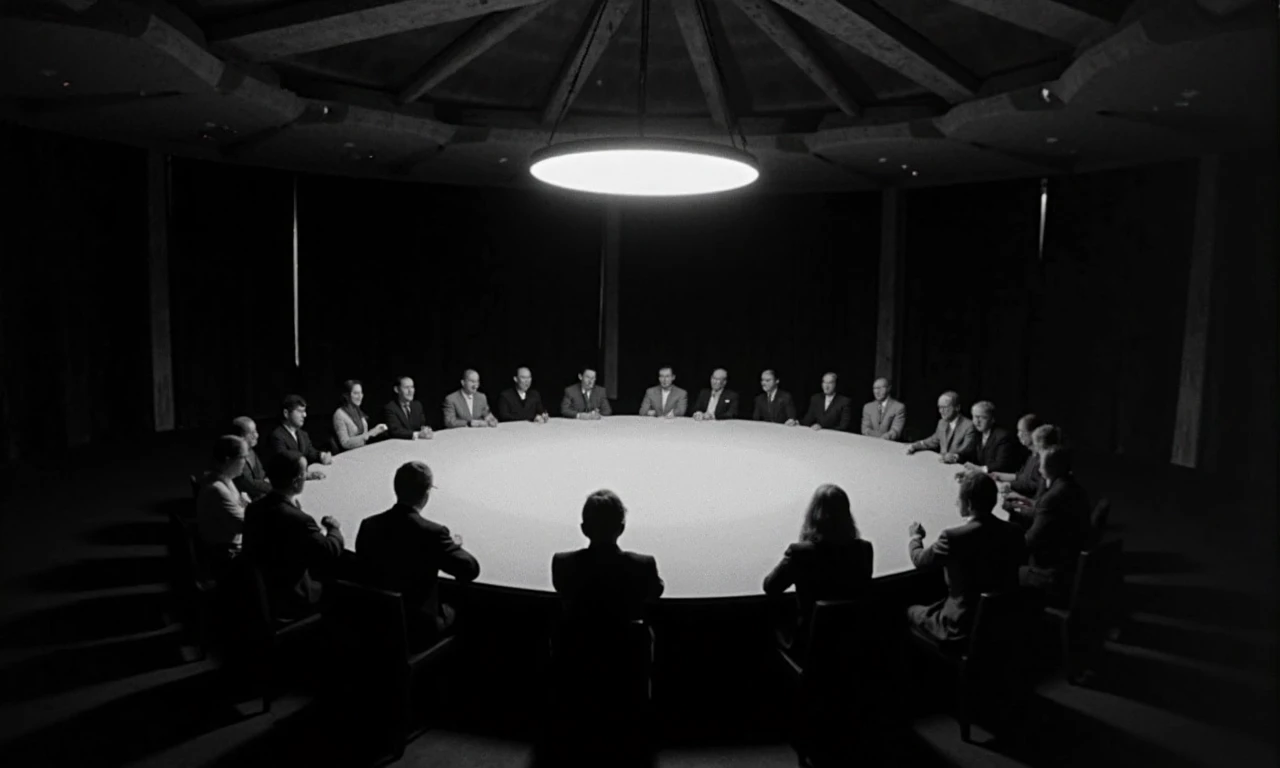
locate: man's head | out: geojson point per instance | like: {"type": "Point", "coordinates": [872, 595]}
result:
{"type": "Point", "coordinates": [470, 381]}
{"type": "Point", "coordinates": [229, 453]}
{"type": "Point", "coordinates": [287, 472]}
{"type": "Point", "coordinates": [948, 405]}
{"type": "Point", "coordinates": [666, 377]}
{"type": "Point", "coordinates": [295, 411]}
{"type": "Point", "coordinates": [523, 379]}
{"type": "Point", "coordinates": [1055, 463]}
{"type": "Point", "coordinates": [588, 378]}
{"type": "Point", "coordinates": [880, 389]}
{"type": "Point", "coordinates": [977, 495]}
{"type": "Point", "coordinates": [984, 415]}
{"type": "Point", "coordinates": [413, 484]}
{"type": "Point", "coordinates": [246, 428]}
{"type": "Point", "coordinates": [828, 383]}
{"type": "Point", "coordinates": [1026, 425]}
{"type": "Point", "coordinates": [1044, 437]}
{"type": "Point", "coordinates": [404, 389]}
{"type": "Point", "coordinates": [604, 517]}
{"type": "Point", "coordinates": [768, 380]}
{"type": "Point", "coordinates": [719, 377]}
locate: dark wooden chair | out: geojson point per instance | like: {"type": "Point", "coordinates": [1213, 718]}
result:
{"type": "Point", "coordinates": [260, 644]}
{"type": "Point", "coordinates": [1098, 521]}
{"type": "Point", "coordinates": [1094, 609]}
{"type": "Point", "coordinates": [387, 679]}
{"type": "Point", "coordinates": [191, 580]}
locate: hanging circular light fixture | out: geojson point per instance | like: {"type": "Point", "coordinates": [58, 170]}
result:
{"type": "Point", "coordinates": [644, 166]}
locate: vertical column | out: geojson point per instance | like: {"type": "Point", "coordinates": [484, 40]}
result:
{"type": "Point", "coordinates": [889, 302]}
{"type": "Point", "coordinates": [158, 291]}
{"type": "Point", "coordinates": [610, 261]}
{"type": "Point", "coordinates": [1195, 333]}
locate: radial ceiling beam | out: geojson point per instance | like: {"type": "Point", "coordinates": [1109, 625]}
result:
{"type": "Point", "coordinates": [601, 25]}
{"type": "Point", "coordinates": [690, 17]}
{"type": "Point", "coordinates": [771, 21]}
{"type": "Point", "coordinates": [473, 43]}
{"type": "Point", "coordinates": [866, 27]}
{"type": "Point", "coordinates": [1073, 21]}
{"type": "Point", "coordinates": [320, 24]}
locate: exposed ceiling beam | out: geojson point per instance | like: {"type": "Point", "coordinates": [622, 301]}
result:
{"type": "Point", "coordinates": [771, 21]}
{"type": "Point", "coordinates": [487, 33]}
{"type": "Point", "coordinates": [602, 23]}
{"type": "Point", "coordinates": [868, 28]}
{"type": "Point", "coordinates": [320, 24]}
{"type": "Point", "coordinates": [1072, 22]}
{"type": "Point", "coordinates": [690, 17]}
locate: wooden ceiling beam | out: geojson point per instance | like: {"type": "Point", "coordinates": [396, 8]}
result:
{"type": "Point", "coordinates": [690, 19]}
{"type": "Point", "coordinates": [869, 29]}
{"type": "Point", "coordinates": [320, 24]}
{"type": "Point", "coordinates": [601, 25]}
{"type": "Point", "coordinates": [1071, 21]}
{"type": "Point", "coordinates": [771, 21]}
{"type": "Point", "coordinates": [472, 44]}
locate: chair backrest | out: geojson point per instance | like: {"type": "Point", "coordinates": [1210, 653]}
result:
{"type": "Point", "coordinates": [188, 568]}
{"type": "Point", "coordinates": [368, 622]}
{"type": "Point", "coordinates": [843, 655]}
{"type": "Point", "coordinates": [1095, 596]}
{"type": "Point", "coordinates": [1098, 521]}
{"type": "Point", "coordinates": [1001, 638]}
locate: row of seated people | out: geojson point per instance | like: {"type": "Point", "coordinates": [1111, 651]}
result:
{"type": "Point", "coordinates": [406, 551]}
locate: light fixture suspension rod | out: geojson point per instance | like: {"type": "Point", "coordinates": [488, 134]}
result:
{"type": "Point", "coordinates": [643, 85]}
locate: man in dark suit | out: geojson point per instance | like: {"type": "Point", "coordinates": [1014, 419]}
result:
{"type": "Point", "coordinates": [1022, 489]}
{"type": "Point", "coordinates": [253, 479]}
{"type": "Point", "coordinates": [522, 402]}
{"type": "Point", "coordinates": [290, 438]}
{"type": "Point", "coordinates": [994, 449]}
{"type": "Point", "coordinates": [716, 403]}
{"type": "Point", "coordinates": [585, 400]}
{"type": "Point", "coordinates": [404, 416]}
{"type": "Point", "coordinates": [405, 552]}
{"type": "Point", "coordinates": [285, 543]}
{"type": "Point", "coordinates": [773, 404]}
{"type": "Point", "coordinates": [829, 410]}
{"type": "Point", "coordinates": [954, 435]}
{"type": "Point", "coordinates": [982, 555]}
{"type": "Point", "coordinates": [1059, 526]}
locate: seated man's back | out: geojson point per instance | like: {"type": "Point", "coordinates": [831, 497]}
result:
{"type": "Point", "coordinates": [605, 585]}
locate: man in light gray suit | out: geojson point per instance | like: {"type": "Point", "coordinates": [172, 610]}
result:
{"type": "Point", "coordinates": [467, 407]}
{"type": "Point", "coordinates": [665, 400]}
{"type": "Point", "coordinates": [955, 434]}
{"type": "Point", "coordinates": [884, 417]}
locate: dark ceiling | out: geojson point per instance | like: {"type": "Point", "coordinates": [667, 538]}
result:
{"type": "Point", "coordinates": [828, 94]}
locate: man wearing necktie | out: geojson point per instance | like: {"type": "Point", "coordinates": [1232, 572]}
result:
{"type": "Point", "coordinates": [773, 404]}
{"type": "Point", "coordinates": [716, 403]}
{"type": "Point", "coordinates": [468, 407]}
{"type": "Point", "coordinates": [883, 417]}
{"type": "Point", "coordinates": [829, 410]}
{"type": "Point", "coordinates": [954, 436]}
{"type": "Point", "coordinates": [585, 400]}
{"type": "Point", "coordinates": [404, 416]}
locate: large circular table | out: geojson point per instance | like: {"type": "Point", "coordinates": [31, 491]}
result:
{"type": "Point", "coordinates": [715, 502]}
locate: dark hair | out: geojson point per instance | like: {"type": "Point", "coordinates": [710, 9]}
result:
{"type": "Point", "coordinates": [400, 379]}
{"type": "Point", "coordinates": [828, 518]}
{"type": "Point", "coordinates": [228, 448]}
{"type": "Point", "coordinates": [978, 493]}
{"type": "Point", "coordinates": [603, 516]}
{"type": "Point", "coordinates": [586, 368]}
{"type": "Point", "coordinates": [294, 401]}
{"type": "Point", "coordinates": [413, 481]}
{"type": "Point", "coordinates": [284, 469]}
{"type": "Point", "coordinates": [1057, 460]}
{"type": "Point", "coordinates": [347, 386]}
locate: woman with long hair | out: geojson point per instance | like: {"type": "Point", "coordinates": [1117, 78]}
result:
{"type": "Point", "coordinates": [350, 424]}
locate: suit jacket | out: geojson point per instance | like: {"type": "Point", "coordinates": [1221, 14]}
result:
{"type": "Point", "coordinates": [401, 426]}
{"type": "Point", "coordinates": [959, 441]}
{"type": "Point", "coordinates": [253, 480]}
{"type": "Point", "coordinates": [573, 403]}
{"type": "Point", "coordinates": [677, 402]}
{"type": "Point", "coordinates": [281, 441]}
{"type": "Point", "coordinates": [780, 411]}
{"type": "Point", "coordinates": [979, 556]}
{"type": "Point", "coordinates": [726, 406]}
{"type": "Point", "coordinates": [1002, 453]}
{"type": "Point", "coordinates": [1059, 528]}
{"type": "Point", "coordinates": [1029, 482]}
{"type": "Point", "coordinates": [404, 552]}
{"type": "Point", "coordinates": [512, 408]}
{"type": "Point", "coordinates": [838, 416]}
{"type": "Point", "coordinates": [456, 412]}
{"type": "Point", "coordinates": [605, 585]}
{"type": "Point", "coordinates": [286, 544]}
{"type": "Point", "coordinates": [821, 572]}
{"type": "Point", "coordinates": [891, 424]}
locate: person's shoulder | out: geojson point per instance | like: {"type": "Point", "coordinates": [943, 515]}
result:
{"type": "Point", "coordinates": [508, 393]}
{"type": "Point", "coordinates": [569, 389]}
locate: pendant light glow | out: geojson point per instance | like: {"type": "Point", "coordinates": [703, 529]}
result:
{"type": "Point", "coordinates": [644, 167]}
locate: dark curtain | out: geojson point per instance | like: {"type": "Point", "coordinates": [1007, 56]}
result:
{"type": "Point", "coordinates": [747, 283]}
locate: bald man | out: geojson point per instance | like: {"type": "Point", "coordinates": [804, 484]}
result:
{"type": "Point", "coordinates": [954, 436]}
{"type": "Point", "coordinates": [829, 410]}
{"type": "Point", "coordinates": [884, 417]}
{"type": "Point", "coordinates": [716, 403]}
{"type": "Point", "coordinates": [468, 407]}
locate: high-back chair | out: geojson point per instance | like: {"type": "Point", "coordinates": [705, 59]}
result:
{"type": "Point", "coordinates": [1094, 609]}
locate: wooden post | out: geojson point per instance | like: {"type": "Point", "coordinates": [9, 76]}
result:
{"type": "Point", "coordinates": [610, 261]}
{"type": "Point", "coordinates": [158, 291]}
{"type": "Point", "coordinates": [889, 320]}
{"type": "Point", "coordinates": [1195, 334]}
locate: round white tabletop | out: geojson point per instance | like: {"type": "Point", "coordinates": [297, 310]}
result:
{"type": "Point", "coordinates": [715, 502]}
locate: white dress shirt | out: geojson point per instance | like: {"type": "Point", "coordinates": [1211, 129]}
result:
{"type": "Point", "coordinates": [711, 406]}
{"type": "Point", "coordinates": [471, 411]}
{"type": "Point", "coordinates": [665, 392]}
